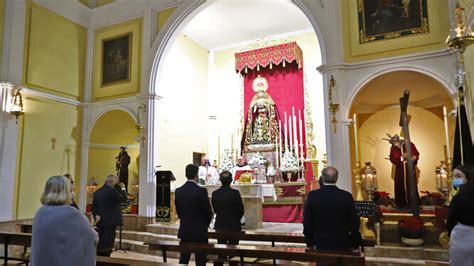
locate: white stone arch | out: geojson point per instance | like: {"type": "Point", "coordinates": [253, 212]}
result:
{"type": "Point", "coordinates": [368, 78]}
{"type": "Point", "coordinates": [105, 110]}
{"type": "Point", "coordinates": [186, 13]}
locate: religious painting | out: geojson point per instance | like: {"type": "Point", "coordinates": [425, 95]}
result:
{"type": "Point", "coordinates": [388, 19]}
{"type": "Point", "coordinates": [116, 53]}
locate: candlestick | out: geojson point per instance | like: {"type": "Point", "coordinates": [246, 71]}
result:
{"type": "Point", "coordinates": [356, 139]}
{"type": "Point", "coordinates": [301, 142]}
{"type": "Point", "coordinates": [290, 134]}
{"type": "Point", "coordinates": [286, 133]}
{"type": "Point", "coordinates": [446, 132]}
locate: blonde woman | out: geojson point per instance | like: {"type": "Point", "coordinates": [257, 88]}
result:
{"type": "Point", "coordinates": [62, 235]}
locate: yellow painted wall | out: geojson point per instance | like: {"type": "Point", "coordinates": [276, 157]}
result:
{"type": "Point", "coordinates": [44, 120]}
{"type": "Point", "coordinates": [374, 149]}
{"type": "Point", "coordinates": [2, 23]}
{"type": "Point", "coordinates": [112, 130]}
{"type": "Point", "coordinates": [162, 17]}
{"type": "Point", "coordinates": [55, 53]}
{"type": "Point", "coordinates": [125, 88]}
{"type": "Point", "coordinates": [183, 111]}
{"type": "Point", "coordinates": [434, 40]}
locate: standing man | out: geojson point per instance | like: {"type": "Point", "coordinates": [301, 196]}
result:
{"type": "Point", "coordinates": [398, 157]}
{"type": "Point", "coordinates": [330, 219]}
{"type": "Point", "coordinates": [121, 165]}
{"type": "Point", "coordinates": [107, 212]}
{"type": "Point", "coordinates": [208, 172]}
{"type": "Point", "coordinates": [195, 214]}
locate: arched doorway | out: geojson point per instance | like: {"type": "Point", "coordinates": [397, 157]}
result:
{"type": "Point", "coordinates": [210, 99]}
{"type": "Point", "coordinates": [377, 107]}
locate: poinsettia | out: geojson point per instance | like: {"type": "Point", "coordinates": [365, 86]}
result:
{"type": "Point", "coordinates": [411, 227]}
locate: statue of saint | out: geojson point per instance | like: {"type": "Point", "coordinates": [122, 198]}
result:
{"type": "Point", "coordinates": [261, 125]}
{"type": "Point", "coordinates": [398, 158]}
{"type": "Point", "coordinates": [121, 165]}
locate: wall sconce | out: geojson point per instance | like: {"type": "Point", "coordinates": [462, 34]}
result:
{"type": "Point", "coordinates": [140, 112]}
{"type": "Point", "coordinates": [368, 175]}
{"type": "Point", "coordinates": [16, 107]}
{"type": "Point", "coordinates": [333, 107]}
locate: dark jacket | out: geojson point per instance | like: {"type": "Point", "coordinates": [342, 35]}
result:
{"type": "Point", "coordinates": [194, 211]}
{"type": "Point", "coordinates": [330, 220]}
{"type": "Point", "coordinates": [107, 204]}
{"type": "Point", "coordinates": [461, 210]}
{"type": "Point", "coordinates": [229, 209]}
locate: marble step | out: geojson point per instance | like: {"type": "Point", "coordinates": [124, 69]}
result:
{"type": "Point", "coordinates": [404, 252]}
{"type": "Point", "coordinates": [169, 229]}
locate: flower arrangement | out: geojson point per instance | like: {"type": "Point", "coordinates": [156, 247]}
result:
{"type": "Point", "coordinates": [227, 163]}
{"type": "Point", "coordinates": [271, 171]}
{"type": "Point", "coordinates": [257, 160]}
{"type": "Point", "coordinates": [432, 198]}
{"type": "Point", "coordinates": [202, 181]}
{"type": "Point", "coordinates": [289, 163]}
{"type": "Point", "coordinates": [411, 227]}
{"type": "Point", "coordinates": [383, 198]}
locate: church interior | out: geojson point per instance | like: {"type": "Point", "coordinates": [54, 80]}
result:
{"type": "Point", "coordinates": [273, 91]}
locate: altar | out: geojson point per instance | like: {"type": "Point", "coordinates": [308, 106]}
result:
{"type": "Point", "coordinates": [279, 202]}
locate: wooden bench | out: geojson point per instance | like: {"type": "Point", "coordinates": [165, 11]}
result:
{"type": "Point", "coordinates": [272, 238]}
{"type": "Point", "coordinates": [241, 251]}
{"type": "Point", "coordinates": [127, 262]}
{"type": "Point", "coordinates": [14, 239]}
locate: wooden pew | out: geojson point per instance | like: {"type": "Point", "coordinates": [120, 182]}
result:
{"type": "Point", "coordinates": [241, 251]}
{"type": "Point", "coordinates": [266, 237]}
{"type": "Point", "coordinates": [128, 262]}
{"type": "Point", "coordinates": [15, 239]}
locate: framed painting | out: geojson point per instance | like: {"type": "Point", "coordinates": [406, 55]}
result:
{"type": "Point", "coordinates": [388, 19]}
{"type": "Point", "coordinates": [116, 59]}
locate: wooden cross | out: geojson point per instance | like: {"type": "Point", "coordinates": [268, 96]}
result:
{"type": "Point", "coordinates": [53, 143]}
{"type": "Point", "coordinates": [410, 166]}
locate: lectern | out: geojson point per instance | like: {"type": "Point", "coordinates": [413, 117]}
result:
{"type": "Point", "coordinates": [163, 204]}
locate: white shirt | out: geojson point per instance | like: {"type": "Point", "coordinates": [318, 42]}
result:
{"type": "Point", "coordinates": [240, 168]}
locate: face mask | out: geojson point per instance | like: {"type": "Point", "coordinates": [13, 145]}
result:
{"type": "Point", "coordinates": [457, 182]}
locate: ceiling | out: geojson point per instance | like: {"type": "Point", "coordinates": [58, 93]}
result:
{"type": "Point", "coordinates": [385, 90]}
{"type": "Point", "coordinates": [228, 22]}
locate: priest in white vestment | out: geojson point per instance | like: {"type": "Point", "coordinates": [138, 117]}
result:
{"type": "Point", "coordinates": [240, 166]}
{"type": "Point", "coordinates": [208, 172]}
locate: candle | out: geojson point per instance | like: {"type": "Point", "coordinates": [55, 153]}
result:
{"type": "Point", "coordinates": [286, 133]}
{"type": "Point", "coordinates": [290, 133]}
{"type": "Point", "coordinates": [446, 132]}
{"type": "Point", "coordinates": [356, 139]}
{"type": "Point", "coordinates": [279, 146]}
{"type": "Point", "coordinates": [300, 121]}
{"type": "Point", "coordinates": [276, 150]}
{"type": "Point", "coordinates": [295, 136]}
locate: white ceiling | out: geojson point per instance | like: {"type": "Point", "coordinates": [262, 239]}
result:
{"type": "Point", "coordinates": [228, 22]}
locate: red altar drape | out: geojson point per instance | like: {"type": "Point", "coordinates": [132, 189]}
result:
{"type": "Point", "coordinates": [281, 65]}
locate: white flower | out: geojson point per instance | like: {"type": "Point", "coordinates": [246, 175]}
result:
{"type": "Point", "coordinates": [227, 164]}
{"type": "Point", "coordinates": [271, 171]}
{"type": "Point", "coordinates": [289, 163]}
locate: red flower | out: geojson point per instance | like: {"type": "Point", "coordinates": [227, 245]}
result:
{"type": "Point", "coordinates": [411, 224]}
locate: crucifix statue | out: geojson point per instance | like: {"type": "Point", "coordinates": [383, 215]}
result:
{"type": "Point", "coordinates": [409, 159]}
{"type": "Point", "coordinates": [53, 143]}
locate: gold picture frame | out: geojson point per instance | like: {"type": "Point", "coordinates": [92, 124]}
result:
{"type": "Point", "coordinates": [382, 20]}
{"type": "Point", "coordinates": [116, 58]}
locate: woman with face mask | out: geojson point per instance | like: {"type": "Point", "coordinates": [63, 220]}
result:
{"type": "Point", "coordinates": [460, 222]}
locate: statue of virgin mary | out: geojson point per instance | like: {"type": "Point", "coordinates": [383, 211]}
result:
{"type": "Point", "coordinates": [261, 126]}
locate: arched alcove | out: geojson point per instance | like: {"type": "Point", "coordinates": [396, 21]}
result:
{"type": "Point", "coordinates": [377, 107]}
{"type": "Point", "coordinates": [112, 129]}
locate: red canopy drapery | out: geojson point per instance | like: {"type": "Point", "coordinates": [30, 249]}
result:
{"type": "Point", "coordinates": [268, 56]}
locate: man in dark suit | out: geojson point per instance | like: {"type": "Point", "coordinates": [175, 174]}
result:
{"type": "Point", "coordinates": [330, 219]}
{"type": "Point", "coordinates": [195, 213]}
{"type": "Point", "coordinates": [228, 206]}
{"type": "Point", "coordinates": [107, 212]}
